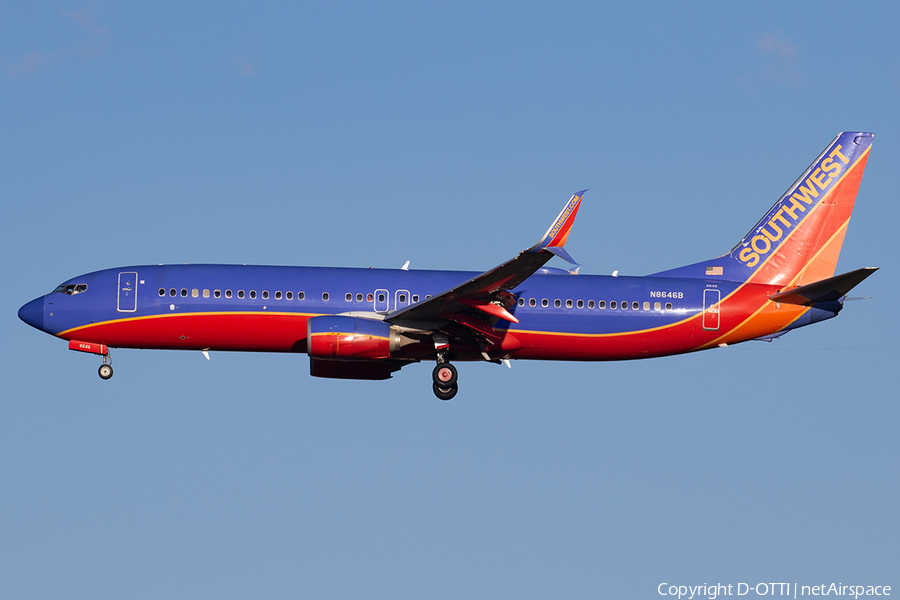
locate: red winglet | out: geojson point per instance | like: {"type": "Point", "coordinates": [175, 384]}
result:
{"type": "Point", "coordinates": [492, 309]}
{"type": "Point", "coordinates": [559, 232]}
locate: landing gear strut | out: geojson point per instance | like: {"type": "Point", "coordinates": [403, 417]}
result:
{"type": "Point", "coordinates": [444, 376]}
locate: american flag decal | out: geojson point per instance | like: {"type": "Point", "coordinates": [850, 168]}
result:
{"type": "Point", "coordinates": [713, 270]}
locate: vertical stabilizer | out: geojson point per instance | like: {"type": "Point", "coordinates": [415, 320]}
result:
{"type": "Point", "coordinates": [799, 239]}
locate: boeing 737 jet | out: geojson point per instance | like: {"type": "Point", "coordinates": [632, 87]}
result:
{"type": "Point", "coordinates": [369, 323]}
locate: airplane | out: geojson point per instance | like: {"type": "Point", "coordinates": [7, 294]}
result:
{"type": "Point", "coordinates": [369, 323]}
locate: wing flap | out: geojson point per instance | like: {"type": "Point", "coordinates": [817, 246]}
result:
{"type": "Point", "coordinates": [491, 308]}
{"type": "Point", "coordinates": [472, 323]}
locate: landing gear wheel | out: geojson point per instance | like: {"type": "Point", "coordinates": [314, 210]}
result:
{"type": "Point", "coordinates": [444, 393]}
{"type": "Point", "coordinates": [444, 375]}
{"type": "Point", "coordinates": [105, 371]}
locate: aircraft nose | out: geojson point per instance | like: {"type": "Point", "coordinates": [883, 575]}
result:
{"type": "Point", "coordinates": [33, 313]}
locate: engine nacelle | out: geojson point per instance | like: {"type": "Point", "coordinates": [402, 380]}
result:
{"type": "Point", "coordinates": [351, 338]}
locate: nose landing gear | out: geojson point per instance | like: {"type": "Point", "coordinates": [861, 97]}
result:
{"type": "Point", "coordinates": [106, 370]}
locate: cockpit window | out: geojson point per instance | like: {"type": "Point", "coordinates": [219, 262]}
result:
{"type": "Point", "coordinates": [70, 289]}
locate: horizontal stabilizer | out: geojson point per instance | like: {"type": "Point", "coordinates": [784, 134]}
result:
{"type": "Point", "coordinates": [827, 290]}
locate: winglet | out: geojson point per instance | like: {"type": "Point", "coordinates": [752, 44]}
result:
{"type": "Point", "coordinates": [560, 252]}
{"type": "Point", "coordinates": [555, 238]}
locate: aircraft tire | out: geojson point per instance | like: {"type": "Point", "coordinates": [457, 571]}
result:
{"type": "Point", "coordinates": [445, 393]}
{"type": "Point", "coordinates": [445, 375]}
{"type": "Point", "coordinates": [105, 371]}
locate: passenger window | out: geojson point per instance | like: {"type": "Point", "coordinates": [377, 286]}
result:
{"type": "Point", "coordinates": [602, 304]}
{"type": "Point", "coordinates": [635, 305]}
{"type": "Point", "coordinates": [289, 295]}
{"type": "Point", "coordinates": [580, 304]}
{"type": "Point", "coordinates": [348, 297]}
{"type": "Point", "coordinates": [657, 306]}
{"type": "Point", "coordinates": [359, 297]}
{"type": "Point", "coordinates": [228, 293]}
{"type": "Point", "coordinates": [532, 302]}
{"type": "Point", "coordinates": [184, 292]}
{"type": "Point", "coordinates": [278, 295]}
{"type": "Point", "coordinates": [613, 305]}
{"type": "Point", "coordinates": [427, 296]}
{"type": "Point", "coordinates": [265, 295]}
{"type": "Point", "coordinates": [590, 304]}
{"type": "Point", "coordinates": [173, 292]}
{"type": "Point", "coordinates": [521, 302]}
{"type": "Point", "coordinates": [545, 303]}
{"type": "Point", "coordinates": [370, 298]}
{"type": "Point", "coordinates": [301, 295]}
{"type": "Point", "coordinates": [195, 293]}
{"type": "Point", "coordinates": [206, 293]}
{"type": "Point", "coordinates": [240, 293]}
{"type": "Point", "coordinates": [624, 305]}
{"type": "Point", "coordinates": [568, 304]}
{"type": "Point", "coordinates": [253, 294]}
{"type": "Point", "coordinates": [402, 298]}
{"type": "Point", "coordinates": [217, 293]}
{"type": "Point", "coordinates": [381, 297]}
{"type": "Point", "coordinates": [415, 298]}
{"type": "Point", "coordinates": [646, 306]}
{"type": "Point", "coordinates": [162, 291]}
{"type": "Point", "coordinates": [668, 306]}
{"type": "Point", "coordinates": [325, 296]}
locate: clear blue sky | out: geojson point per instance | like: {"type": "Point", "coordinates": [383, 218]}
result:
{"type": "Point", "coordinates": [366, 134]}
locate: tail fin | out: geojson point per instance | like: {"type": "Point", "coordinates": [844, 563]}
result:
{"type": "Point", "coordinates": [798, 241]}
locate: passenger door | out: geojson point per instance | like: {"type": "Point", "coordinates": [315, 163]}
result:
{"type": "Point", "coordinates": [711, 299]}
{"type": "Point", "coordinates": [127, 300]}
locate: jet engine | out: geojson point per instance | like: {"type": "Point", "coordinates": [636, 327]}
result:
{"type": "Point", "coordinates": [352, 338]}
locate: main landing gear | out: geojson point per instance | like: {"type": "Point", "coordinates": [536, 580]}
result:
{"type": "Point", "coordinates": [444, 376]}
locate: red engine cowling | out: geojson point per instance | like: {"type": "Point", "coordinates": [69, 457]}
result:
{"type": "Point", "coordinates": [350, 338]}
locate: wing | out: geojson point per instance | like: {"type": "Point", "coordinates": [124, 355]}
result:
{"type": "Point", "coordinates": [480, 301]}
